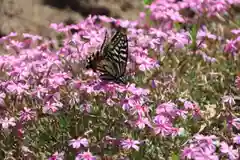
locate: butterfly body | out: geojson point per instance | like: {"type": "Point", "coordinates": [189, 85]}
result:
{"type": "Point", "coordinates": [111, 60]}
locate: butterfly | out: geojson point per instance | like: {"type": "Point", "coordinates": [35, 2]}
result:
{"type": "Point", "coordinates": [111, 60]}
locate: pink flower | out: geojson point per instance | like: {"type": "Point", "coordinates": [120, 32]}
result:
{"type": "Point", "coordinates": [6, 123]}
{"type": "Point", "coordinates": [40, 91]}
{"type": "Point", "coordinates": [58, 79]}
{"type": "Point", "coordinates": [229, 100]}
{"type": "Point", "coordinates": [110, 102]}
{"type": "Point", "coordinates": [178, 39]}
{"type": "Point", "coordinates": [27, 114]}
{"type": "Point", "coordinates": [140, 110]}
{"type": "Point", "coordinates": [163, 126]}
{"type": "Point", "coordinates": [170, 110]}
{"type": "Point", "coordinates": [230, 47]}
{"type": "Point", "coordinates": [190, 106]}
{"type": "Point", "coordinates": [85, 108]}
{"type": "Point", "coordinates": [137, 91]}
{"type": "Point", "coordinates": [142, 122]}
{"type": "Point", "coordinates": [166, 108]}
{"type": "Point", "coordinates": [85, 156]}
{"type": "Point", "coordinates": [236, 123]}
{"type": "Point", "coordinates": [205, 33]}
{"type": "Point", "coordinates": [77, 143]}
{"type": "Point", "coordinates": [201, 148]}
{"type": "Point", "coordinates": [236, 31]}
{"type": "Point", "coordinates": [17, 88]}
{"type": "Point", "coordinates": [125, 105]}
{"type": "Point", "coordinates": [33, 37]}
{"type": "Point", "coordinates": [9, 36]}
{"type": "Point", "coordinates": [129, 143]}
{"type": "Point", "coordinates": [236, 139]}
{"type": "Point", "coordinates": [2, 96]}
{"type": "Point", "coordinates": [228, 150]}
{"type": "Point", "coordinates": [52, 107]}
{"type": "Point", "coordinates": [57, 156]}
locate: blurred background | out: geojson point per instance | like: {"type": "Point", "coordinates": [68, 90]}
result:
{"type": "Point", "coordinates": [35, 16]}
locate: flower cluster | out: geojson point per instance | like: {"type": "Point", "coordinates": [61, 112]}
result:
{"type": "Point", "coordinates": [47, 96]}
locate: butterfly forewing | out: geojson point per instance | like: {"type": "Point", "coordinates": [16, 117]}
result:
{"type": "Point", "coordinates": [117, 51]}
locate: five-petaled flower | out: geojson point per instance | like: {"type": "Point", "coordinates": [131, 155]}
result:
{"type": "Point", "coordinates": [77, 143]}
{"type": "Point", "coordinates": [7, 122]}
{"type": "Point", "coordinates": [130, 143]}
{"type": "Point", "coordinates": [85, 156]}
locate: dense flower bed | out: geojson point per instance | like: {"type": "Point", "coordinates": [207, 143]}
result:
{"type": "Point", "coordinates": [181, 101]}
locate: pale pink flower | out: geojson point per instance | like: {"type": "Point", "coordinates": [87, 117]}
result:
{"type": "Point", "coordinates": [85, 156]}
{"type": "Point", "coordinates": [6, 123]}
{"type": "Point", "coordinates": [130, 143]}
{"type": "Point", "coordinates": [77, 143]}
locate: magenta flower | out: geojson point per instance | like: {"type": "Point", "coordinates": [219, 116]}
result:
{"type": "Point", "coordinates": [57, 156]}
{"type": "Point", "coordinates": [129, 143]}
{"type": "Point", "coordinates": [188, 152]}
{"type": "Point", "coordinates": [27, 114]}
{"type": "Point", "coordinates": [167, 108]}
{"type": "Point", "coordinates": [200, 148]}
{"type": "Point", "coordinates": [142, 122]}
{"type": "Point", "coordinates": [16, 88]}
{"type": "Point", "coordinates": [207, 141]}
{"type": "Point", "coordinates": [39, 91]}
{"type": "Point", "coordinates": [85, 156]}
{"type": "Point", "coordinates": [230, 47]}
{"type": "Point", "coordinates": [77, 143]}
{"type": "Point", "coordinates": [139, 110]}
{"type": "Point", "coordinates": [164, 127]}
{"type": "Point", "coordinates": [190, 106]}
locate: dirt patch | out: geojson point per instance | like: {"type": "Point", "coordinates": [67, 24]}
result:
{"type": "Point", "coordinates": [35, 16]}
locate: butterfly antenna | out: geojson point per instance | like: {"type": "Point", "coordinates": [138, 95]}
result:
{"type": "Point", "coordinates": [104, 41]}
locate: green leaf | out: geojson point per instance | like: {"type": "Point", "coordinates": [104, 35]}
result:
{"type": "Point", "coordinates": [177, 26]}
{"type": "Point", "coordinates": [193, 36]}
{"type": "Point", "coordinates": [147, 2]}
{"type": "Point", "coordinates": [175, 156]}
{"type": "Point", "coordinates": [63, 123]}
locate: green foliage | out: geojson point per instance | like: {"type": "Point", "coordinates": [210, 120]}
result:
{"type": "Point", "coordinates": [147, 2]}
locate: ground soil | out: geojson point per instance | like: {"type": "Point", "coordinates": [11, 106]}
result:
{"type": "Point", "coordinates": [35, 16]}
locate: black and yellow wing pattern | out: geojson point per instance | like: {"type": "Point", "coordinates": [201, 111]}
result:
{"type": "Point", "coordinates": [111, 60]}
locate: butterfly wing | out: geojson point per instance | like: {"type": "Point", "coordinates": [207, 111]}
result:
{"type": "Point", "coordinates": [112, 59]}
{"type": "Point", "coordinates": [95, 58]}
{"type": "Point", "coordinates": [116, 52]}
